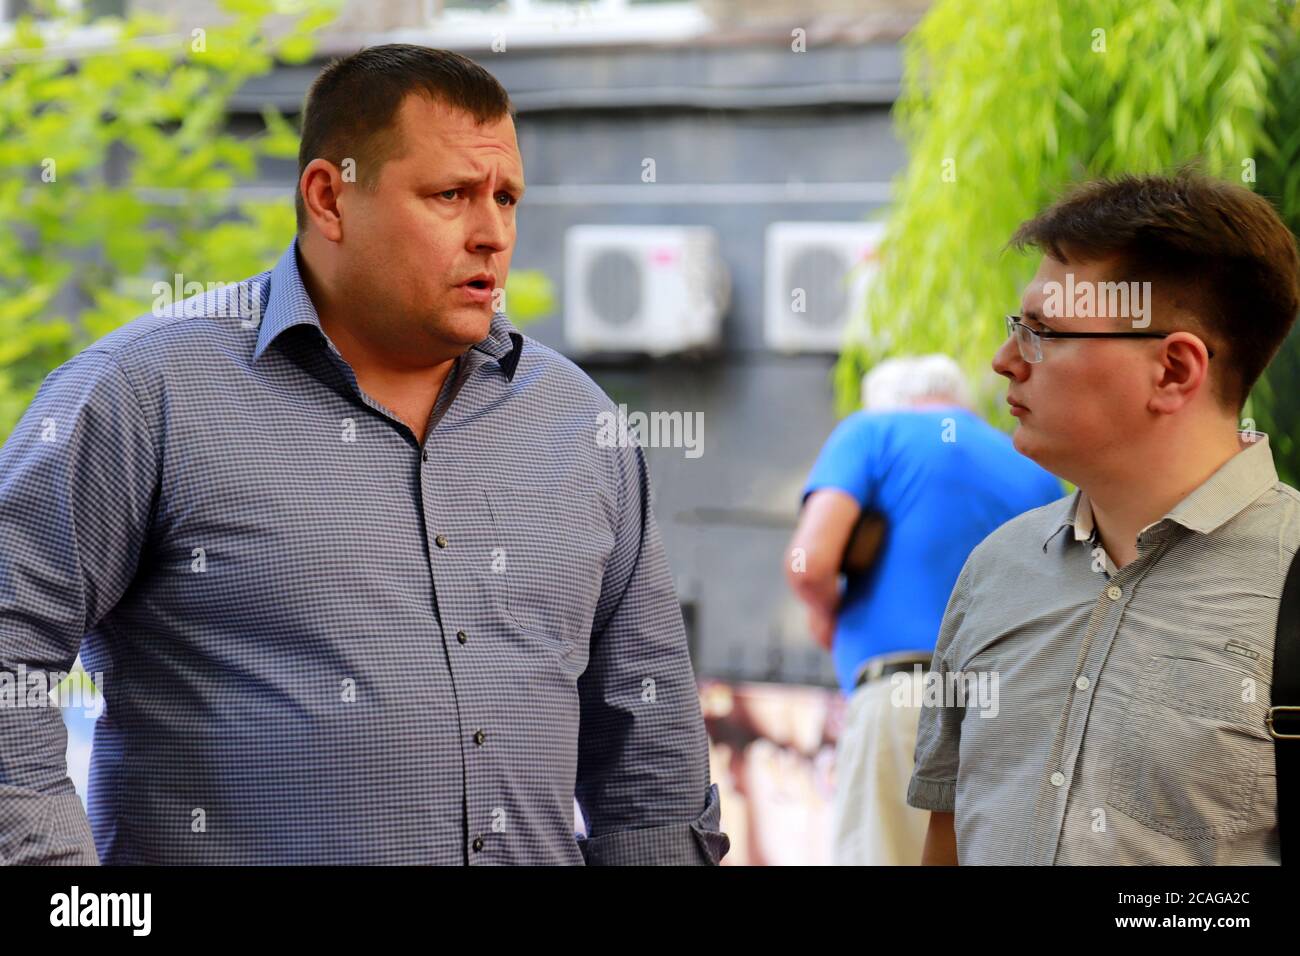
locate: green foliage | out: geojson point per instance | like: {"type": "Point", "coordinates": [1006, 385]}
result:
{"type": "Point", "coordinates": [1275, 401]}
{"type": "Point", "coordinates": [530, 294]}
{"type": "Point", "coordinates": [1003, 105]}
{"type": "Point", "coordinates": [116, 169]}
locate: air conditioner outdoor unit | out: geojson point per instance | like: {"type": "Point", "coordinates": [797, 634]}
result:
{"type": "Point", "coordinates": [816, 276]}
{"type": "Point", "coordinates": [649, 289]}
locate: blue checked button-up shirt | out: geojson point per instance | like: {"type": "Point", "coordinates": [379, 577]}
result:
{"type": "Point", "coordinates": [324, 640]}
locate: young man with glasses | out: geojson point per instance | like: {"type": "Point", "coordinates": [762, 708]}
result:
{"type": "Point", "coordinates": [1130, 626]}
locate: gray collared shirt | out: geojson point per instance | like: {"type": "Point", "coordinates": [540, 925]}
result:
{"type": "Point", "coordinates": [1126, 723]}
{"type": "Point", "coordinates": [325, 639]}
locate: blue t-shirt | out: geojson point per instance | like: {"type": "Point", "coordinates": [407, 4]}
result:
{"type": "Point", "coordinates": [944, 479]}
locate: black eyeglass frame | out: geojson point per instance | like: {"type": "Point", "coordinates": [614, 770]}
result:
{"type": "Point", "coordinates": [1014, 322]}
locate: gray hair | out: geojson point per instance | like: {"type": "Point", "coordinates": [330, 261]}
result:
{"type": "Point", "coordinates": [909, 380]}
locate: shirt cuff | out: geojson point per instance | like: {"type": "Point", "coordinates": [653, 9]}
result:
{"type": "Point", "coordinates": [937, 795]}
{"type": "Point", "coordinates": [698, 843]}
{"type": "Point", "coordinates": [44, 829]}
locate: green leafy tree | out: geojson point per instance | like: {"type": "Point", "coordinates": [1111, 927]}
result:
{"type": "Point", "coordinates": [1003, 105]}
{"type": "Point", "coordinates": [117, 171]}
{"type": "Point", "coordinates": [1275, 401]}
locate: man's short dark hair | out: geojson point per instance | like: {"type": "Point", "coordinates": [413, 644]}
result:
{"type": "Point", "coordinates": [351, 109]}
{"type": "Point", "coordinates": [1209, 247]}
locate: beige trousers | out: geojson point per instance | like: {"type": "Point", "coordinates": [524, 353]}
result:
{"type": "Point", "coordinates": [872, 823]}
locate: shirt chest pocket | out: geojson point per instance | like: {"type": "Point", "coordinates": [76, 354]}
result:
{"type": "Point", "coordinates": [1191, 749]}
{"type": "Point", "coordinates": [551, 544]}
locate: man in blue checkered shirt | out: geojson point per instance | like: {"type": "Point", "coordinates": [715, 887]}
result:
{"type": "Point", "coordinates": [358, 577]}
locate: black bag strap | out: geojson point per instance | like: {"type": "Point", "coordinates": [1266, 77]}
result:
{"type": "Point", "coordinates": [1284, 726]}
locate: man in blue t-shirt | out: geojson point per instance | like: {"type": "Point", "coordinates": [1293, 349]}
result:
{"type": "Point", "coordinates": [941, 479]}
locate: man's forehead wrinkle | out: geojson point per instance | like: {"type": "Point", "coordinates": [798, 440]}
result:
{"type": "Point", "coordinates": [471, 171]}
{"type": "Point", "coordinates": [483, 144]}
{"type": "Point", "coordinates": [471, 148]}
{"type": "Point", "coordinates": [451, 130]}
{"type": "Point", "coordinates": [466, 168]}
{"type": "Point", "coordinates": [449, 146]}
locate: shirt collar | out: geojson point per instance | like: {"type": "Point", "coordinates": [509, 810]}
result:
{"type": "Point", "coordinates": [289, 305]}
{"type": "Point", "coordinates": [1224, 495]}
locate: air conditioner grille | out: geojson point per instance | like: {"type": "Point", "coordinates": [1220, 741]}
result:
{"type": "Point", "coordinates": [614, 286]}
{"type": "Point", "coordinates": [820, 273]}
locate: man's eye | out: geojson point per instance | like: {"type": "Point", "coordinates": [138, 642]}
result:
{"type": "Point", "coordinates": [449, 193]}
{"type": "Point", "coordinates": [510, 200]}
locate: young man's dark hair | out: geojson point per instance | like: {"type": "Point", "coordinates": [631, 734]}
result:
{"type": "Point", "coordinates": [351, 109]}
{"type": "Point", "coordinates": [1213, 250]}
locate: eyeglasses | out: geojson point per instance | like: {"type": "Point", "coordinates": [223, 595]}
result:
{"type": "Point", "coordinates": [1030, 340]}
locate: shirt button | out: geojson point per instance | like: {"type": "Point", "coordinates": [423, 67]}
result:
{"type": "Point", "coordinates": [441, 541]}
{"type": "Point", "coordinates": [479, 737]}
{"type": "Point", "coordinates": [477, 844]}
{"type": "Point", "coordinates": [424, 456]}
{"type": "Point", "coordinates": [1058, 778]}
{"type": "Point", "coordinates": [1081, 683]}
{"type": "Point", "coordinates": [462, 636]}
{"type": "Point", "coordinates": [1114, 592]}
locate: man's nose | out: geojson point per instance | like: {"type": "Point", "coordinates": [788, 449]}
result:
{"type": "Point", "coordinates": [491, 231]}
{"type": "Point", "coordinates": [1008, 361]}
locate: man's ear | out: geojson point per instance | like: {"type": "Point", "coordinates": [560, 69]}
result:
{"type": "Point", "coordinates": [321, 185]}
{"type": "Point", "coordinates": [1184, 370]}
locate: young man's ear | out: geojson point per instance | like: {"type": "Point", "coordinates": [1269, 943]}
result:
{"type": "Point", "coordinates": [1184, 372]}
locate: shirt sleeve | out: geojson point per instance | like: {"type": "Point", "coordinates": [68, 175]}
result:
{"type": "Point", "coordinates": [938, 735]}
{"type": "Point", "coordinates": [643, 761]}
{"type": "Point", "coordinates": [848, 460]}
{"type": "Point", "coordinates": [77, 483]}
